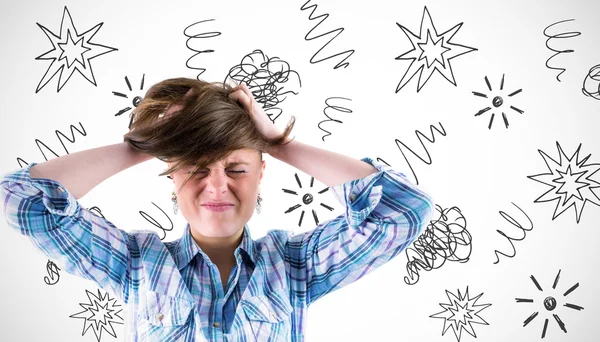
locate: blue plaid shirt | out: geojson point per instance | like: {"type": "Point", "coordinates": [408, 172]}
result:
{"type": "Point", "coordinates": [172, 289]}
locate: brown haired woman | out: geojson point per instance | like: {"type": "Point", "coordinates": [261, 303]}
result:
{"type": "Point", "coordinates": [215, 283]}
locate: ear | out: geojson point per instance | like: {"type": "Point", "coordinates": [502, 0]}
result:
{"type": "Point", "coordinates": [262, 171]}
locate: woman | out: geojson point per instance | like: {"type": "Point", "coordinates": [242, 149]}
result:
{"type": "Point", "coordinates": [215, 283]}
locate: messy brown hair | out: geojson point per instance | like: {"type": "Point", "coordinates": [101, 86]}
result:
{"type": "Point", "coordinates": [208, 127]}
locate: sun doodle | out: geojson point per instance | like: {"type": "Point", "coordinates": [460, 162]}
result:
{"type": "Point", "coordinates": [307, 200]}
{"type": "Point", "coordinates": [550, 303]}
{"type": "Point", "coordinates": [498, 102]}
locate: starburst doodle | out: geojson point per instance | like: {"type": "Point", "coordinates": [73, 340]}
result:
{"type": "Point", "coordinates": [99, 314]}
{"type": "Point", "coordinates": [460, 313]}
{"type": "Point", "coordinates": [497, 102]}
{"type": "Point", "coordinates": [570, 182]}
{"type": "Point", "coordinates": [431, 51]}
{"type": "Point", "coordinates": [70, 51]}
{"type": "Point", "coordinates": [307, 200]}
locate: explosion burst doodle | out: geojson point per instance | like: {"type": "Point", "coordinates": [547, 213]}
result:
{"type": "Point", "coordinates": [570, 182]}
{"type": "Point", "coordinates": [430, 52]}
{"type": "Point", "coordinates": [550, 303]}
{"type": "Point", "coordinates": [102, 311]}
{"type": "Point", "coordinates": [307, 199]}
{"type": "Point", "coordinates": [497, 102]}
{"type": "Point", "coordinates": [461, 312]}
{"type": "Point", "coordinates": [70, 51]}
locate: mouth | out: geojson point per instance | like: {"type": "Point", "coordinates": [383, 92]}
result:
{"type": "Point", "coordinates": [219, 207]}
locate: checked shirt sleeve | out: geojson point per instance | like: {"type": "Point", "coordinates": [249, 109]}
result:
{"type": "Point", "coordinates": [83, 243]}
{"type": "Point", "coordinates": [384, 213]}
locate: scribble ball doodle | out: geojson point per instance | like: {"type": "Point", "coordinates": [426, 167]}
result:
{"type": "Point", "coordinates": [266, 78]}
{"type": "Point", "coordinates": [431, 51]}
{"type": "Point", "coordinates": [307, 199]}
{"type": "Point", "coordinates": [446, 238]}
{"type": "Point", "coordinates": [571, 182]}
{"type": "Point", "coordinates": [53, 276]}
{"type": "Point", "coordinates": [591, 83]}
{"type": "Point", "coordinates": [70, 52]}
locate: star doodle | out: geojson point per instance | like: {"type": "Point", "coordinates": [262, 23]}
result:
{"type": "Point", "coordinates": [570, 182]}
{"type": "Point", "coordinates": [99, 314]}
{"type": "Point", "coordinates": [430, 52]}
{"type": "Point", "coordinates": [460, 312]}
{"type": "Point", "coordinates": [70, 51]}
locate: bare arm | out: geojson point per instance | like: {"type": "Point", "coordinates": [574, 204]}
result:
{"type": "Point", "coordinates": [80, 172]}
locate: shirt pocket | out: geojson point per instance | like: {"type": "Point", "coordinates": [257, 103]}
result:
{"type": "Point", "coordinates": [269, 316]}
{"type": "Point", "coordinates": [164, 315]}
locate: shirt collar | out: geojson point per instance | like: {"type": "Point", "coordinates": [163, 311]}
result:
{"type": "Point", "coordinates": [187, 248]}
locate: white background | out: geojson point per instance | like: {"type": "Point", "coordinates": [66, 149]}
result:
{"type": "Point", "coordinates": [479, 170]}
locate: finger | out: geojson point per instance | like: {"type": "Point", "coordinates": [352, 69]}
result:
{"type": "Point", "coordinates": [246, 90]}
{"type": "Point", "coordinates": [242, 98]}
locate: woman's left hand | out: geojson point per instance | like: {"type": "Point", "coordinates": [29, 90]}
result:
{"type": "Point", "coordinates": [244, 96]}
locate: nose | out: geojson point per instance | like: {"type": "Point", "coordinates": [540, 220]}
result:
{"type": "Point", "coordinates": [217, 181]}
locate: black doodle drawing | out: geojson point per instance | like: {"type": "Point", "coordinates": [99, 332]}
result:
{"type": "Point", "coordinates": [266, 78]}
{"type": "Point", "coordinates": [570, 182]}
{"type": "Point", "coordinates": [99, 313]}
{"type": "Point", "coordinates": [195, 39]}
{"type": "Point", "coordinates": [460, 313]}
{"type": "Point", "coordinates": [430, 52]}
{"type": "Point", "coordinates": [329, 108]}
{"type": "Point", "coordinates": [53, 276]}
{"type": "Point", "coordinates": [550, 303]}
{"type": "Point", "coordinates": [22, 163]}
{"type": "Point", "coordinates": [446, 238]}
{"type": "Point", "coordinates": [510, 238]}
{"type": "Point", "coordinates": [70, 52]}
{"type": "Point", "coordinates": [498, 102]}
{"type": "Point", "coordinates": [333, 34]}
{"type": "Point", "coordinates": [420, 136]}
{"type": "Point", "coordinates": [307, 199]}
{"type": "Point", "coordinates": [156, 224]}
{"type": "Point", "coordinates": [562, 35]}
{"type": "Point", "coordinates": [591, 83]}
{"type": "Point", "coordinates": [135, 99]}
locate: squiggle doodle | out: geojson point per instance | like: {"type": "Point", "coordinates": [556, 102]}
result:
{"type": "Point", "coordinates": [561, 35]}
{"type": "Point", "coordinates": [265, 77]}
{"type": "Point", "coordinates": [53, 275]}
{"type": "Point", "coordinates": [22, 162]}
{"type": "Point", "coordinates": [337, 108]}
{"type": "Point", "coordinates": [420, 136]}
{"type": "Point", "coordinates": [335, 32]}
{"type": "Point", "coordinates": [445, 238]}
{"type": "Point", "coordinates": [70, 51]}
{"type": "Point", "coordinates": [511, 239]}
{"type": "Point", "coordinates": [592, 82]}
{"type": "Point", "coordinates": [195, 38]}
{"type": "Point", "coordinates": [156, 224]}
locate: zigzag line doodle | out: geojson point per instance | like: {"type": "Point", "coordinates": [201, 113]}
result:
{"type": "Point", "coordinates": [561, 35]}
{"type": "Point", "coordinates": [511, 239]}
{"type": "Point", "coordinates": [196, 38]}
{"type": "Point", "coordinates": [23, 163]}
{"type": "Point", "coordinates": [337, 108]}
{"type": "Point", "coordinates": [420, 136]}
{"type": "Point", "coordinates": [336, 33]}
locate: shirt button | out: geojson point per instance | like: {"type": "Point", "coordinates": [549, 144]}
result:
{"type": "Point", "coordinates": [216, 324]}
{"type": "Point", "coordinates": [61, 190]}
{"type": "Point", "coordinates": [160, 316]}
{"type": "Point", "coordinates": [352, 197]}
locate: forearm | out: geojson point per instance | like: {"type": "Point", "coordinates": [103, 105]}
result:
{"type": "Point", "coordinates": [80, 172]}
{"type": "Point", "coordinates": [327, 167]}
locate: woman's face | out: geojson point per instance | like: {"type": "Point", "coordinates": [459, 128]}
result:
{"type": "Point", "coordinates": [234, 181]}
